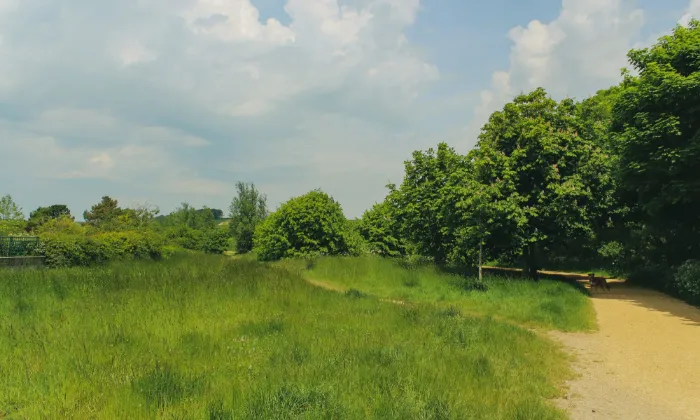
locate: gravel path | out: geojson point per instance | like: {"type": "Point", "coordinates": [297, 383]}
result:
{"type": "Point", "coordinates": [643, 362]}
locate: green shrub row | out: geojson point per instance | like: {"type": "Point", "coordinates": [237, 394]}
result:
{"type": "Point", "coordinates": [69, 250]}
{"type": "Point", "coordinates": [82, 248]}
{"type": "Point", "coordinates": [211, 241]}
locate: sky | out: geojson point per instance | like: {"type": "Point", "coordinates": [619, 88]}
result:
{"type": "Point", "coordinates": [161, 102]}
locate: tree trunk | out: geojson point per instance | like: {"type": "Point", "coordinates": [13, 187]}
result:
{"type": "Point", "coordinates": [531, 262]}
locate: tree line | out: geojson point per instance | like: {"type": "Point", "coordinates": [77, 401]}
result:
{"type": "Point", "coordinates": [610, 182]}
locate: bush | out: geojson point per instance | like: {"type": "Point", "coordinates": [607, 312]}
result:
{"type": "Point", "coordinates": [686, 281]}
{"type": "Point", "coordinates": [61, 224]}
{"type": "Point", "coordinates": [310, 225]}
{"type": "Point", "coordinates": [215, 241]}
{"type": "Point", "coordinates": [12, 227]}
{"type": "Point", "coordinates": [69, 250]}
{"type": "Point", "coordinates": [185, 237]}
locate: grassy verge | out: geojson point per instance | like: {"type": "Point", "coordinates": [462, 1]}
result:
{"type": "Point", "coordinates": [218, 338]}
{"type": "Point", "coordinates": [547, 304]}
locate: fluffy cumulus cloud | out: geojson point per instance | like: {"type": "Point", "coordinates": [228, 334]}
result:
{"type": "Point", "coordinates": [576, 54]}
{"type": "Point", "coordinates": [171, 100]}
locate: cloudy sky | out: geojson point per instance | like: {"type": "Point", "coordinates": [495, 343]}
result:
{"type": "Point", "coordinates": [165, 101]}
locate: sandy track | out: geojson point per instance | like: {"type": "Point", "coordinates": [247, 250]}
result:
{"type": "Point", "coordinates": [643, 363]}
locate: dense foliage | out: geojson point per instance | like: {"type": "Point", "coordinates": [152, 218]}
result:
{"type": "Point", "coordinates": [248, 209]}
{"type": "Point", "coordinates": [309, 225]}
{"type": "Point", "coordinates": [379, 228]}
{"type": "Point", "coordinates": [44, 214]}
{"type": "Point", "coordinates": [610, 182]}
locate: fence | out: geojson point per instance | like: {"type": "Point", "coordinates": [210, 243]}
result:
{"type": "Point", "coordinates": [18, 246]}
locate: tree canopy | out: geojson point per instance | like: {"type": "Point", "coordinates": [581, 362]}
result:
{"type": "Point", "coordinates": [9, 209]}
{"type": "Point", "coordinates": [248, 209]}
{"type": "Point", "coordinates": [657, 132]}
{"type": "Point", "coordinates": [310, 225]}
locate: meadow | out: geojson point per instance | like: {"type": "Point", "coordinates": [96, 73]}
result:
{"type": "Point", "coordinates": [210, 337]}
{"type": "Point", "coordinates": [546, 304]}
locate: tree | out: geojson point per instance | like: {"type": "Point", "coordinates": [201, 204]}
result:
{"type": "Point", "coordinates": [552, 181]}
{"type": "Point", "coordinates": [657, 131]}
{"type": "Point", "coordinates": [424, 204]}
{"type": "Point", "coordinates": [43, 214]}
{"type": "Point", "coordinates": [102, 214]}
{"type": "Point", "coordinates": [140, 217]}
{"type": "Point", "coordinates": [310, 225]}
{"type": "Point", "coordinates": [381, 231]}
{"type": "Point", "coordinates": [218, 214]}
{"type": "Point", "coordinates": [247, 210]}
{"type": "Point", "coordinates": [9, 209]}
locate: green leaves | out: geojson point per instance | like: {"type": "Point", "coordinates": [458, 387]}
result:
{"type": "Point", "coordinates": [310, 225]}
{"type": "Point", "coordinates": [248, 209]}
{"type": "Point", "coordinates": [657, 132]}
{"type": "Point", "coordinates": [548, 171]}
{"type": "Point", "coordinates": [9, 209]}
{"type": "Point", "coordinates": [424, 206]}
{"type": "Point", "coordinates": [381, 231]}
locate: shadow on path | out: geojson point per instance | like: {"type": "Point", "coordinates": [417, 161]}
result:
{"type": "Point", "coordinates": [652, 300]}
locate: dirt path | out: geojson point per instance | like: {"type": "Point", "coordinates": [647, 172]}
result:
{"type": "Point", "coordinates": [643, 363]}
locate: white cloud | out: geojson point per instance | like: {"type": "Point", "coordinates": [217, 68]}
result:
{"type": "Point", "coordinates": [578, 53]}
{"type": "Point", "coordinates": [234, 20]}
{"type": "Point", "coordinates": [693, 11]}
{"type": "Point", "coordinates": [133, 52]}
{"type": "Point", "coordinates": [160, 97]}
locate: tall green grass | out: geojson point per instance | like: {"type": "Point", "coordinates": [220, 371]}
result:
{"type": "Point", "coordinates": [547, 303]}
{"type": "Point", "coordinates": [216, 338]}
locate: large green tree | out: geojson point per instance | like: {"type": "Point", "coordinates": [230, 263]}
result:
{"type": "Point", "coordinates": [248, 209]}
{"type": "Point", "coordinates": [425, 203]}
{"type": "Point", "coordinates": [656, 120]}
{"type": "Point", "coordinates": [552, 181]}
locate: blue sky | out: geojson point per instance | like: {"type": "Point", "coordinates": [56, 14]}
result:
{"type": "Point", "coordinates": [165, 101]}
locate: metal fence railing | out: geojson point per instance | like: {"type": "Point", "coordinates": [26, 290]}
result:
{"type": "Point", "coordinates": [18, 246]}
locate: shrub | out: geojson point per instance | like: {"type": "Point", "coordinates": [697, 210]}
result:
{"type": "Point", "coordinates": [69, 249]}
{"type": "Point", "coordinates": [215, 241]}
{"type": "Point", "coordinates": [185, 237]}
{"type": "Point", "coordinates": [310, 225]}
{"type": "Point", "coordinates": [62, 224]}
{"type": "Point", "coordinates": [12, 227]}
{"type": "Point", "coordinates": [686, 281]}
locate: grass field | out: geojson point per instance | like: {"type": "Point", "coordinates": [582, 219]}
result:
{"type": "Point", "coordinates": [548, 304]}
{"type": "Point", "coordinates": [216, 338]}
